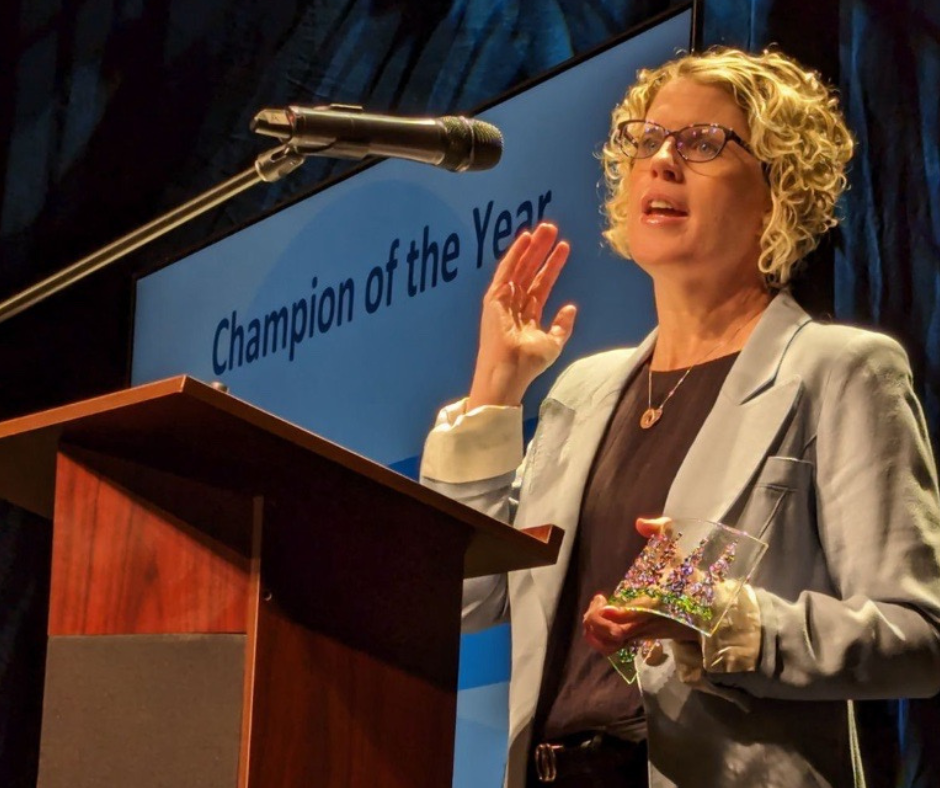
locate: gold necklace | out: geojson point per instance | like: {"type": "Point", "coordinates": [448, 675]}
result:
{"type": "Point", "coordinates": [651, 415]}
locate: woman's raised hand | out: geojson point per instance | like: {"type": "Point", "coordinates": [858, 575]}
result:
{"type": "Point", "coordinates": [514, 347]}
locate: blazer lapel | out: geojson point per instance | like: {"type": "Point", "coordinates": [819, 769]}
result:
{"type": "Point", "coordinates": [749, 413]}
{"type": "Point", "coordinates": [751, 408]}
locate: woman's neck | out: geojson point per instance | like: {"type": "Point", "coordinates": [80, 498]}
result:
{"type": "Point", "coordinates": [694, 328]}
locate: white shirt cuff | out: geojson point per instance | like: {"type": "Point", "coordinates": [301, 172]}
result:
{"type": "Point", "coordinates": [467, 447]}
{"type": "Point", "coordinates": [733, 648]}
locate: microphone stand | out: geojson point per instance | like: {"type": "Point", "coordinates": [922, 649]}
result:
{"type": "Point", "coordinates": [270, 166]}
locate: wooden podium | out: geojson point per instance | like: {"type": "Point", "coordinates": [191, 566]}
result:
{"type": "Point", "coordinates": [237, 602]}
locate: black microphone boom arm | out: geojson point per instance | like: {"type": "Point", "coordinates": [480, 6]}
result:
{"type": "Point", "coordinates": [270, 166]}
{"type": "Point", "coordinates": [346, 132]}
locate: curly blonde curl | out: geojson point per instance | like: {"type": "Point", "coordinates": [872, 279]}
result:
{"type": "Point", "coordinates": [797, 132]}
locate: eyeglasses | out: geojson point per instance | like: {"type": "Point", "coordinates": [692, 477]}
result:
{"type": "Point", "coordinates": [640, 139]}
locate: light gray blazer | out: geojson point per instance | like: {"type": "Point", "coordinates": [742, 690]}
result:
{"type": "Point", "coordinates": [817, 445]}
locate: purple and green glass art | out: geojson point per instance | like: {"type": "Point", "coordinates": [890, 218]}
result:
{"type": "Point", "coordinates": [678, 575]}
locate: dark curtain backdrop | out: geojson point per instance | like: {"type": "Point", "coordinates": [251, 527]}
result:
{"type": "Point", "coordinates": [887, 270]}
{"type": "Point", "coordinates": [123, 109]}
{"type": "Point", "coordinates": [115, 111]}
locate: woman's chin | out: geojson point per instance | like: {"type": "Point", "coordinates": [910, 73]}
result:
{"type": "Point", "coordinates": [659, 263]}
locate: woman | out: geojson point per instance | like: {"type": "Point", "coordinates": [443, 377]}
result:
{"type": "Point", "coordinates": [724, 170]}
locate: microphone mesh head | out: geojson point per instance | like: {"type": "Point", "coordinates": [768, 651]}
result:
{"type": "Point", "coordinates": [487, 145]}
{"type": "Point", "coordinates": [471, 144]}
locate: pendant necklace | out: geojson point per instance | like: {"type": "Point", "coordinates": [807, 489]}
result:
{"type": "Point", "coordinates": [651, 415]}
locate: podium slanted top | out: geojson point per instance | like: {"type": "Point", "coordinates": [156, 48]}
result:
{"type": "Point", "coordinates": [184, 426]}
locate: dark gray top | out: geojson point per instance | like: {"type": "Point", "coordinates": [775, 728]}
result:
{"type": "Point", "coordinates": [580, 690]}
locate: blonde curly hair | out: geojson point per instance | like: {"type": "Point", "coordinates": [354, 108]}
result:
{"type": "Point", "coordinates": [796, 131]}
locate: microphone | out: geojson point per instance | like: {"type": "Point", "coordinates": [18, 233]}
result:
{"type": "Point", "coordinates": [454, 143]}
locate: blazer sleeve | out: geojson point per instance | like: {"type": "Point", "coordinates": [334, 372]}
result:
{"type": "Point", "coordinates": [878, 524]}
{"type": "Point", "coordinates": [473, 458]}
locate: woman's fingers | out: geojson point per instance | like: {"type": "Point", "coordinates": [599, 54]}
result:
{"type": "Point", "coordinates": [534, 256]}
{"type": "Point", "coordinates": [563, 324]}
{"type": "Point", "coordinates": [529, 269]}
{"type": "Point", "coordinates": [540, 287]}
{"type": "Point", "coordinates": [651, 526]}
{"type": "Point", "coordinates": [601, 632]}
{"type": "Point", "coordinates": [514, 346]}
{"type": "Point", "coordinates": [609, 628]}
{"type": "Point", "coordinates": [544, 280]}
{"type": "Point", "coordinates": [506, 269]}
{"type": "Point", "coordinates": [597, 644]}
{"type": "Point", "coordinates": [524, 256]}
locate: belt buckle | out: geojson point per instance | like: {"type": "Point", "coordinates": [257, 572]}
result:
{"type": "Point", "coordinates": [546, 764]}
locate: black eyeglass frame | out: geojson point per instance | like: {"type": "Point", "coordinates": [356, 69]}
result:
{"type": "Point", "coordinates": [730, 135]}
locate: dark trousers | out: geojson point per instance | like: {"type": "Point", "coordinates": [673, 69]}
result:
{"type": "Point", "coordinates": [590, 761]}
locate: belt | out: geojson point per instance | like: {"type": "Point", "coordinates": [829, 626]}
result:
{"type": "Point", "coordinates": [586, 754]}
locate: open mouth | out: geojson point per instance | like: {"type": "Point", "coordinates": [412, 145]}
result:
{"type": "Point", "coordinates": [662, 208]}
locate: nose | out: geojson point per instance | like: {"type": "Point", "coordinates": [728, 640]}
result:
{"type": "Point", "coordinates": [666, 163]}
